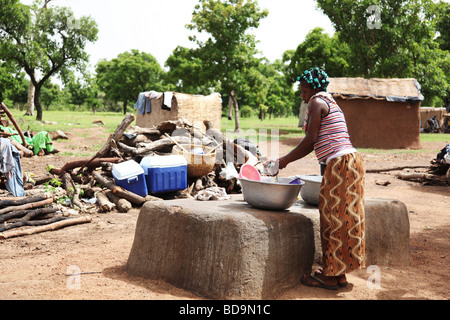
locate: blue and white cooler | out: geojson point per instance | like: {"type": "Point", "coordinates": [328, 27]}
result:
{"type": "Point", "coordinates": [165, 173]}
{"type": "Point", "coordinates": [130, 176]}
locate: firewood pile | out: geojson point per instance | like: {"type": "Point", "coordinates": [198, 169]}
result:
{"type": "Point", "coordinates": [68, 195]}
{"type": "Point", "coordinates": [436, 174]}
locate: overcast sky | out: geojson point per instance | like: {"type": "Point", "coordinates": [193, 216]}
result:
{"type": "Point", "coordinates": [158, 27]}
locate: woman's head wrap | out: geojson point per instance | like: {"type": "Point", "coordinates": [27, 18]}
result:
{"type": "Point", "coordinates": [316, 78]}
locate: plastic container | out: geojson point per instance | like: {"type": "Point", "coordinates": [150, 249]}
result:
{"type": "Point", "coordinates": [130, 176]}
{"type": "Point", "coordinates": [165, 173]}
{"type": "Point", "coordinates": [249, 172]}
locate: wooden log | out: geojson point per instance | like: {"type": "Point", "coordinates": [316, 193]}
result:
{"type": "Point", "coordinates": [22, 200]}
{"type": "Point", "coordinates": [29, 213]}
{"type": "Point", "coordinates": [42, 179]}
{"type": "Point", "coordinates": [116, 136]}
{"type": "Point", "coordinates": [27, 206]}
{"type": "Point", "coordinates": [49, 227]}
{"type": "Point", "coordinates": [76, 198]}
{"type": "Point", "coordinates": [141, 130]}
{"type": "Point", "coordinates": [19, 130]}
{"type": "Point", "coordinates": [127, 149]}
{"type": "Point", "coordinates": [140, 138]}
{"type": "Point", "coordinates": [394, 169]}
{"type": "Point", "coordinates": [161, 144]}
{"type": "Point", "coordinates": [104, 205]}
{"type": "Point", "coordinates": [424, 177]}
{"type": "Point", "coordinates": [23, 150]}
{"type": "Point", "coordinates": [415, 176]}
{"type": "Point", "coordinates": [79, 163]}
{"type": "Point", "coordinates": [122, 205]}
{"type": "Point", "coordinates": [92, 191]}
{"type": "Point", "coordinates": [68, 184]}
{"type": "Point", "coordinates": [118, 191]}
{"type": "Point", "coordinates": [58, 134]}
{"type": "Point", "coordinates": [26, 223]}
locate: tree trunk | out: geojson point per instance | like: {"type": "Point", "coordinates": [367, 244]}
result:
{"type": "Point", "coordinates": [125, 107]}
{"type": "Point", "coordinates": [237, 126]}
{"type": "Point", "coordinates": [30, 102]}
{"type": "Point", "coordinates": [37, 102]}
{"type": "Point", "coordinates": [230, 108]}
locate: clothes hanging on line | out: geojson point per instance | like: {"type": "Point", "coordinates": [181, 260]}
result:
{"type": "Point", "coordinates": [11, 167]}
{"type": "Point", "coordinates": [167, 101]}
{"type": "Point", "coordinates": [144, 103]}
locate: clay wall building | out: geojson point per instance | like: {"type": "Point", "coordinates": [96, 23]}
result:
{"type": "Point", "coordinates": [380, 113]}
{"type": "Point", "coordinates": [194, 108]}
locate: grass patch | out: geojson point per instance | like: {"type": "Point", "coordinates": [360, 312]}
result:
{"type": "Point", "coordinates": [65, 120]}
{"type": "Point", "coordinates": [257, 130]}
{"type": "Point", "coordinates": [435, 137]}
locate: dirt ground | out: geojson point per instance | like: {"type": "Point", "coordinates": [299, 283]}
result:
{"type": "Point", "coordinates": [38, 267]}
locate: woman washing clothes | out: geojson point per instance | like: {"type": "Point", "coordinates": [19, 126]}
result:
{"type": "Point", "coordinates": [341, 202]}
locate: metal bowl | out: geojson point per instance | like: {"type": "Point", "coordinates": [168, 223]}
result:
{"type": "Point", "coordinates": [311, 189]}
{"type": "Point", "coordinates": [269, 195]}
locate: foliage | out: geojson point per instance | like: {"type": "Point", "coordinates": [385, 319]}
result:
{"type": "Point", "coordinates": [44, 41]}
{"type": "Point", "coordinates": [228, 54]}
{"type": "Point", "coordinates": [318, 50]}
{"type": "Point", "coordinates": [124, 77]}
{"type": "Point", "coordinates": [393, 39]}
{"type": "Point", "coordinates": [441, 14]}
{"type": "Point", "coordinates": [84, 91]}
{"type": "Point", "coordinates": [10, 79]}
{"type": "Point", "coordinates": [185, 72]}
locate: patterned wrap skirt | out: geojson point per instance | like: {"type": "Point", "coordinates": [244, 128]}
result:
{"type": "Point", "coordinates": [342, 219]}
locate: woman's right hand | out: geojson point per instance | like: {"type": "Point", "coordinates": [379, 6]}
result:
{"type": "Point", "coordinates": [282, 163]}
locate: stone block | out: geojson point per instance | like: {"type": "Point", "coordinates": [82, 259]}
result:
{"type": "Point", "coordinates": [387, 233]}
{"type": "Point", "coordinates": [221, 250]}
{"type": "Point", "coordinates": [230, 250]}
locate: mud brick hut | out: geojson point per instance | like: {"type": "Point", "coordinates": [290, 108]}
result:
{"type": "Point", "coordinates": [380, 113]}
{"type": "Point", "coordinates": [156, 107]}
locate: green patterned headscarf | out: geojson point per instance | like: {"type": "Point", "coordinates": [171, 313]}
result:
{"type": "Point", "coordinates": [316, 78]}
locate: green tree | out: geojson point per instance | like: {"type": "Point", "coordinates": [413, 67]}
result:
{"type": "Point", "coordinates": [10, 79]}
{"type": "Point", "coordinates": [124, 77]}
{"type": "Point", "coordinates": [441, 15]}
{"type": "Point", "coordinates": [185, 72]}
{"type": "Point", "coordinates": [84, 91]}
{"type": "Point", "coordinates": [318, 50]}
{"type": "Point", "coordinates": [267, 91]}
{"type": "Point", "coordinates": [45, 41]}
{"type": "Point", "coordinates": [50, 93]}
{"type": "Point", "coordinates": [228, 53]}
{"type": "Point", "coordinates": [392, 39]}
{"type": "Point", "coordinates": [18, 94]}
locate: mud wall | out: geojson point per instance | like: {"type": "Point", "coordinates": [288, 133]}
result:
{"type": "Point", "coordinates": [381, 124]}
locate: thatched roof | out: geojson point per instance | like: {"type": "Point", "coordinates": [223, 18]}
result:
{"type": "Point", "coordinates": [380, 89]}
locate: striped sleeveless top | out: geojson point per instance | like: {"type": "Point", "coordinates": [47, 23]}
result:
{"type": "Point", "coordinates": [333, 133]}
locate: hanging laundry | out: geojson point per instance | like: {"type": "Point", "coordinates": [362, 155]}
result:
{"type": "Point", "coordinates": [167, 101]}
{"type": "Point", "coordinates": [143, 103]}
{"type": "Point", "coordinates": [11, 167]}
